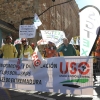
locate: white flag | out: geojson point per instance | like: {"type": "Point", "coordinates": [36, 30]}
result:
{"type": "Point", "coordinates": [37, 59]}
{"type": "Point", "coordinates": [72, 41]}
{"type": "Point", "coordinates": [37, 21]}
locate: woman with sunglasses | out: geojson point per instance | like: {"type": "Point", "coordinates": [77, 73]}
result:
{"type": "Point", "coordinates": [26, 50]}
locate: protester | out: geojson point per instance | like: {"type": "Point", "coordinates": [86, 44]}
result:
{"type": "Point", "coordinates": [8, 50]}
{"type": "Point", "coordinates": [97, 48]}
{"type": "Point", "coordinates": [94, 64]}
{"type": "Point", "coordinates": [97, 56]}
{"type": "Point", "coordinates": [26, 50]}
{"type": "Point", "coordinates": [50, 50]}
{"type": "Point", "coordinates": [67, 49]}
{"type": "Point", "coordinates": [33, 46]}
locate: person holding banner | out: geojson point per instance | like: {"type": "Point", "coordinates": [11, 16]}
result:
{"type": "Point", "coordinates": [26, 50]}
{"type": "Point", "coordinates": [67, 49]}
{"type": "Point", "coordinates": [8, 50]}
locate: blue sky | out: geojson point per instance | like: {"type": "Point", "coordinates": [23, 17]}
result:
{"type": "Point", "coordinates": [82, 3]}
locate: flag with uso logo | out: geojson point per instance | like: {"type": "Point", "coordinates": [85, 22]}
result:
{"type": "Point", "coordinates": [37, 59]}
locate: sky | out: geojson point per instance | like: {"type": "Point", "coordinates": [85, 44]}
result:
{"type": "Point", "coordinates": [83, 3]}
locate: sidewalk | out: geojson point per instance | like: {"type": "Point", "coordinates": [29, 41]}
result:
{"type": "Point", "coordinates": [35, 95]}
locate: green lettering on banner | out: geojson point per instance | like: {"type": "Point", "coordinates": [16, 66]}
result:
{"type": "Point", "coordinates": [58, 33]}
{"type": "Point", "coordinates": [84, 52]}
{"type": "Point", "coordinates": [86, 43]}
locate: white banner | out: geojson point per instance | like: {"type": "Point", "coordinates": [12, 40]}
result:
{"type": "Point", "coordinates": [89, 24]}
{"type": "Point", "coordinates": [27, 31]}
{"type": "Point", "coordinates": [71, 75]}
{"type": "Point", "coordinates": [54, 36]}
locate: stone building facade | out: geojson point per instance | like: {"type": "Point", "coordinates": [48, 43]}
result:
{"type": "Point", "coordinates": [58, 17]}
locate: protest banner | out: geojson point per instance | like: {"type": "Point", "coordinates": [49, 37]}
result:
{"type": "Point", "coordinates": [54, 36]}
{"type": "Point", "coordinates": [70, 75]}
{"type": "Point", "coordinates": [27, 31]}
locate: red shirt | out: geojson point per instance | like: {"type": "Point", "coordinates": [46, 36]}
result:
{"type": "Point", "coordinates": [50, 53]}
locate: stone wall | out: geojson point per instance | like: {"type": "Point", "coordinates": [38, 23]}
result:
{"type": "Point", "coordinates": [62, 17]}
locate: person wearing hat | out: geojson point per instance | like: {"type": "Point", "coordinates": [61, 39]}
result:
{"type": "Point", "coordinates": [26, 50]}
{"type": "Point", "coordinates": [8, 50]}
{"type": "Point", "coordinates": [67, 49]}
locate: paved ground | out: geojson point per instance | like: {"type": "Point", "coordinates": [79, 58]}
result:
{"type": "Point", "coordinates": [35, 95]}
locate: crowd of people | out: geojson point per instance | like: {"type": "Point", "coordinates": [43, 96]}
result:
{"type": "Point", "coordinates": [8, 50]}
{"type": "Point", "coordinates": [25, 50]}
{"type": "Point", "coordinates": [65, 49]}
